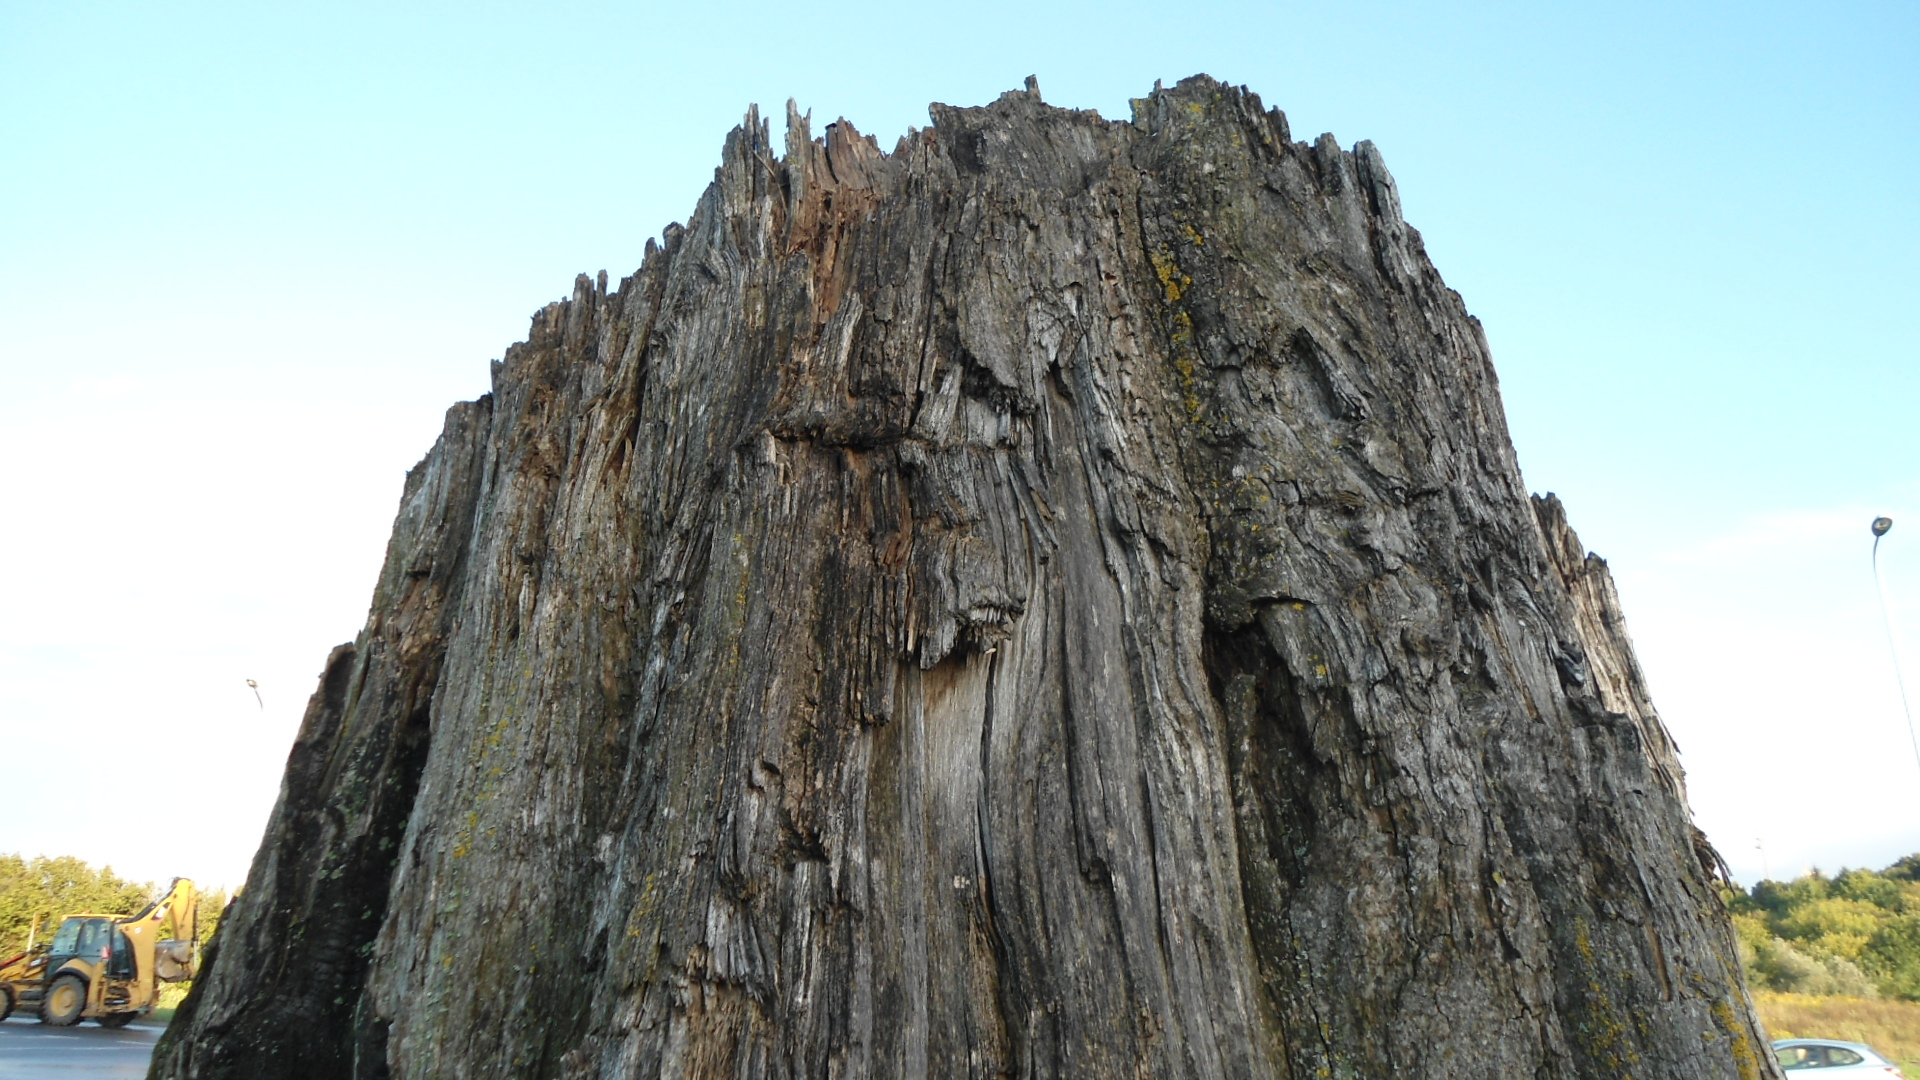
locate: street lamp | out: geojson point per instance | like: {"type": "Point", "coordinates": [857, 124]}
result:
{"type": "Point", "coordinates": [1880, 527]}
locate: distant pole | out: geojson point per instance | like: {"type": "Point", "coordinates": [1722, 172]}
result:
{"type": "Point", "coordinates": [1880, 527]}
{"type": "Point", "coordinates": [255, 687]}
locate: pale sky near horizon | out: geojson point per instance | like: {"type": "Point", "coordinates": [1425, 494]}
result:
{"type": "Point", "coordinates": [250, 252]}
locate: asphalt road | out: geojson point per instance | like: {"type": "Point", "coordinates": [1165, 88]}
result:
{"type": "Point", "coordinates": [30, 1050]}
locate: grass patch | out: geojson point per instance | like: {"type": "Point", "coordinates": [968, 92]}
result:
{"type": "Point", "coordinates": [171, 995]}
{"type": "Point", "coordinates": [1891, 1027]}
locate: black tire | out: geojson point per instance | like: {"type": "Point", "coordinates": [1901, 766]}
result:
{"type": "Point", "coordinates": [64, 1001]}
{"type": "Point", "coordinates": [117, 1020]}
{"type": "Point", "coordinates": [6, 1003]}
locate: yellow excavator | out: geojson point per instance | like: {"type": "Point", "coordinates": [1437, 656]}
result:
{"type": "Point", "coordinates": [106, 967]}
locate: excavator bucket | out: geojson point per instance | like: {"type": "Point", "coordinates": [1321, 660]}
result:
{"type": "Point", "coordinates": [173, 961]}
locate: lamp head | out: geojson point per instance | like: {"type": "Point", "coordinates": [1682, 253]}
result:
{"type": "Point", "coordinates": [1881, 525]}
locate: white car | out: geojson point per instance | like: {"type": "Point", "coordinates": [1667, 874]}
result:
{"type": "Point", "coordinates": [1833, 1058]}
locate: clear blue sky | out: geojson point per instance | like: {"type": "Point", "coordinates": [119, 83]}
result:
{"type": "Point", "coordinates": [248, 253]}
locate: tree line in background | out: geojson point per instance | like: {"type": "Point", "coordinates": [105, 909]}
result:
{"type": "Point", "coordinates": [50, 889]}
{"type": "Point", "coordinates": [1856, 934]}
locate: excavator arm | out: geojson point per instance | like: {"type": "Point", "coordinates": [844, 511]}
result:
{"type": "Point", "coordinates": [170, 959]}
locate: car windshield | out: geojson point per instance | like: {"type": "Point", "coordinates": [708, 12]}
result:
{"type": "Point", "coordinates": [1815, 1057]}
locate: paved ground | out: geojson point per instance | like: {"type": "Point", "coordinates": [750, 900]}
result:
{"type": "Point", "coordinates": [30, 1050]}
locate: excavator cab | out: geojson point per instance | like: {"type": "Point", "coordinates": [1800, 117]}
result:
{"type": "Point", "coordinates": [96, 939]}
{"type": "Point", "coordinates": [81, 935]}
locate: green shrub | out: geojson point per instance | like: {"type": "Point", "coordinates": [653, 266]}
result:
{"type": "Point", "coordinates": [1854, 935]}
{"type": "Point", "coordinates": [1893, 955]}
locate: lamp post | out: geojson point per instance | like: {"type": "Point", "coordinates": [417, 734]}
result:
{"type": "Point", "coordinates": [1881, 525]}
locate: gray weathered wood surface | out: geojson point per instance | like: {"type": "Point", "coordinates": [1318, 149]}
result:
{"type": "Point", "coordinates": [1057, 599]}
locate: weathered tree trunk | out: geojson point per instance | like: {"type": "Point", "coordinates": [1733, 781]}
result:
{"type": "Point", "coordinates": [1056, 600]}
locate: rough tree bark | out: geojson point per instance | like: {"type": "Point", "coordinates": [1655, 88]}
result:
{"type": "Point", "coordinates": [1054, 600]}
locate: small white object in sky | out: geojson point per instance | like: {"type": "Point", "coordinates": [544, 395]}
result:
{"type": "Point", "coordinates": [255, 687]}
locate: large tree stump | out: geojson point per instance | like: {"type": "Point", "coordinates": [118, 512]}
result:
{"type": "Point", "coordinates": [1055, 600]}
